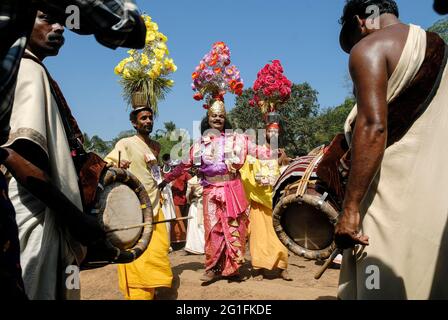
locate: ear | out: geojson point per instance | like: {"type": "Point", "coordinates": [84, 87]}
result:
{"type": "Point", "coordinates": [361, 24]}
{"type": "Point", "coordinates": [134, 124]}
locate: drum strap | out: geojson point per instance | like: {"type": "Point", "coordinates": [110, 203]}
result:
{"type": "Point", "coordinates": [302, 185]}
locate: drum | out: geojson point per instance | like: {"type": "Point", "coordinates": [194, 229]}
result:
{"type": "Point", "coordinates": [122, 205]}
{"type": "Point", "coordinates": [305, 212]}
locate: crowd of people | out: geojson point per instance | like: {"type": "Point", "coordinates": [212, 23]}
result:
{"type": "Point", "coordinates": [393, 204]}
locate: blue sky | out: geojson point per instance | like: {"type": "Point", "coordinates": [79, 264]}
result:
{"type": "Point", "coordinates": [303, 34]}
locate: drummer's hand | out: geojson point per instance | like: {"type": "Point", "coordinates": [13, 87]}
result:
{"type": "Point", "coordinates": [162, 185]}
{"type": "Point", "coordinates": [124, 164]}
{"type": "Point", "coordinates": [86, 230]}
{"type": "Point", "coordinates": [347, 233]}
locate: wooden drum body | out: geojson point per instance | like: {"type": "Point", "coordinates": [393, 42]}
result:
{"type": "Point", "coordinates": [305, 213]}
{"type": "Point", "coordinates": [121, 201]}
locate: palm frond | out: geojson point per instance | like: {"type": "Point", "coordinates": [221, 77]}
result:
{"type": "Point", "coordinates": [154, 89]}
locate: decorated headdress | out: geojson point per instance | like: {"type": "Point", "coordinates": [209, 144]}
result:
{"type": "Point", "coordinates": [214, 77]}
{"type": "Point", "coordinates": [144, 74]}
{"type": "Point", "coordinates": [272, 89]}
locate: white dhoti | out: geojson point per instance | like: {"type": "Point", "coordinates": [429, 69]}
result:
{"type": "Point", "coordinates": [46, 248]}
{"type": "Point", "coordinates": [405, 211]}
{"type": "Point", "coordinates": [195, 230]}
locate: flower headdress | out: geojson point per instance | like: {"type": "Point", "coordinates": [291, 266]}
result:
{"type": "Point", "coordinates": [144, 74]}
{"type": "Point", "coordinates": [271, 87]}
{"type": "Point", "coordinates": [214, 76]}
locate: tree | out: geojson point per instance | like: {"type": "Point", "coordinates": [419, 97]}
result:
{"type": "Point", "coordinates": [441, 27]}
{"type": "Point", "coordinates": [330, 122]}
{"type": "Point", "coordinates": [96, 145]}
{"type": "Point", "coordinates": [296, 118]}
{"type": "Point", "coordinates": [122, 135]}
{"type": "Point", "coordinates": [169, 127]}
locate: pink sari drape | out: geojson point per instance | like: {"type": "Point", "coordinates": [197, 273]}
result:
{"type": "Point", "coordinates": [225, 222]}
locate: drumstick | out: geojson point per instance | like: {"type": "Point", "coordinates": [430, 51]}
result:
{"type": "Point", "coordinates": [327, 263]}
{"type": "Point", "coordinates": [119, 159]}
{"type": "Point", "coordinates": [135, 226]}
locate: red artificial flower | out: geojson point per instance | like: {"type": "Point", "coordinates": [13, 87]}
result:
{"type": "Point", "coordinates": [198, 96]}
{"type": "Point", "coordinates": [195, 75]}
{"type": "Point", "coordinates": [252, 103]}
{"type": "Point", "coordinates": [206, 106]}
{"type": "Point", "coordinates": [239, 86]}
{"type": "Point", "coordinates": [267, 92]}
{"type": "Point", "coordinates": [285, 92]}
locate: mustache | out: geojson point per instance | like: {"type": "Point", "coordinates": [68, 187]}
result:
{"type": "Point", "coordinates": [56, 37]}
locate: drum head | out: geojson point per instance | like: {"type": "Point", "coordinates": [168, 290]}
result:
{"type": "Point", "coordinates": [307, 226]}
{"type": "Point", "coordinates": [121, 208]}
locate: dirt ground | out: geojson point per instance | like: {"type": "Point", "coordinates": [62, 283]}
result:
{"type": "Point", "coordinates": [102, 283]}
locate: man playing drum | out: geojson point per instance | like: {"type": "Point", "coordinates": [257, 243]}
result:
{"type": "Point", "coordinates": [18, 19]}
{"type": "Point", "coordinates": [138, 280]}
{"type": "Point", "coordinates": [40, 123]}
{"type": "Point", "coordinates": [395, 197]}
{"type": "Point", "coordinates": [259, 174]}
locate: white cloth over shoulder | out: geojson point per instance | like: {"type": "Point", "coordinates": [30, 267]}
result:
{"type": "Point", "coordinates": [405, 210]}
{"type": "Point", "coordinates": [46, 249]}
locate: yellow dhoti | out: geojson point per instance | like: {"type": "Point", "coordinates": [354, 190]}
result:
{"type": "Point", "coordinates": [138, 280]}
{"type": "Point", "coordinates": [266, 250]}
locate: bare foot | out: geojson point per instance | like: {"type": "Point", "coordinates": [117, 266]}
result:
{"type": "Point", "coordinates": [258, 275]}
{"type": "Point", "coordinates": [208, 276]}
{"type": "Point", "coordinates": [236, 277]}
{"type": "Point", "coordinates": [285, 275]}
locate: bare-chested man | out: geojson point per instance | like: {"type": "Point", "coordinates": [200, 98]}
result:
{"type": "Point", "coordinates": [393, 205]}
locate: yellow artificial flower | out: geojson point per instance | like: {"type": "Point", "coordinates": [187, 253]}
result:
{"type": "Point", "coordinates": [154, 26]}
{"type": "Point", "coordinates": [144, 60]}
{"type": "Point", "coordinates": [162, 46]}
{"type": "Point", "coordinates": [169, 64]}
{"type": "Point", "coordinates": [158, 66]}
{"type": "Point", "coordinates": [159, 53]}
{"type": "Point", "coordinates": [126, 73]}
{"type": "Point", "coordinates": [132, 52]}
{"type": "Point", "coordinates": [147, 18]}
{"type": "Point", "coordinates": [117, 70]}
{"type": "Point", "coordinates": [150, 36]}
{"type": "Point", "coordinates": [127, 60]}
{"type": "Point", "coordinates": [153, 74]}
{"type": "Point", "coordinates": [170, 83]}
{"type": "Point", "coordinates": [162, 37]}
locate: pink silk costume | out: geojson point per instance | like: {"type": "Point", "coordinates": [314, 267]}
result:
{"type": "Point", "coordinates": [225, 204]}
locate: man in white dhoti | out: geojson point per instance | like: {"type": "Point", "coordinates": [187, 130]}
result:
{"type": "Point", "coordinates": [394, 203]}
{"type": "Point", "coordinates": [195, 230]}
{"type": "Point", "coordinates": [38, 134]}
